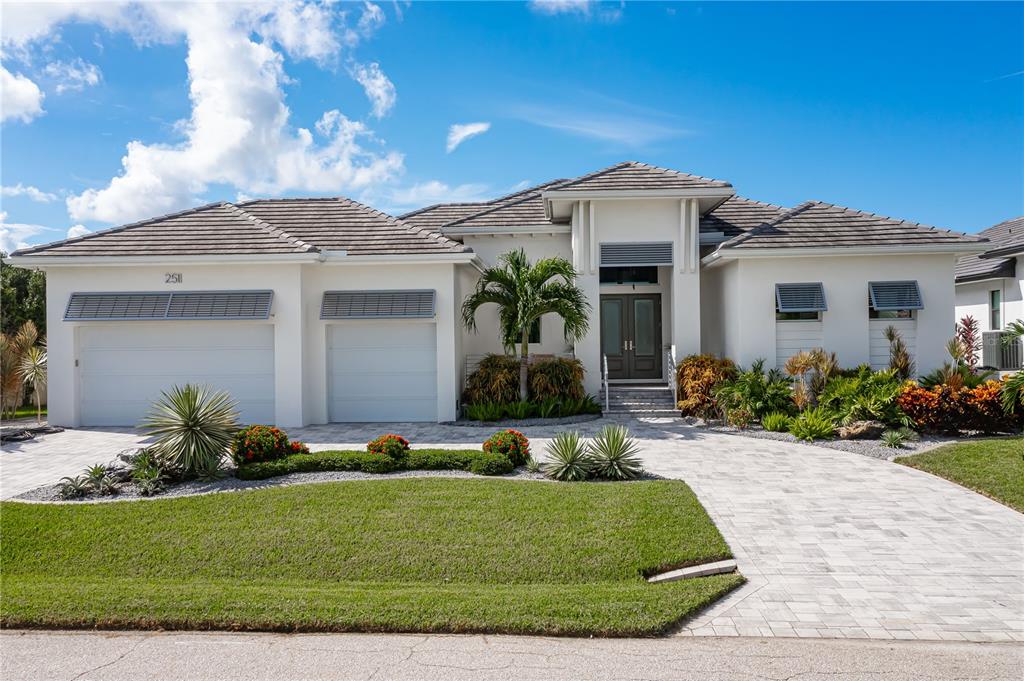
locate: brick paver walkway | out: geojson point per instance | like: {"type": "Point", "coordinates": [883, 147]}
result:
{"type": "Point", "coordinates": [833, 544]}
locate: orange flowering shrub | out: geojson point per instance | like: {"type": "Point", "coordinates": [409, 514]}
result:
{"type": "Point", "coordinates": [697, 378]}
{"type": "Point", "coordinates": [947, 409]}
{"type": "Point", "coordinates": [263, 443]}
{"type": "Point", "coordinates": [511, 443]}
{"type": "Point", "coordinates": [393, 446]}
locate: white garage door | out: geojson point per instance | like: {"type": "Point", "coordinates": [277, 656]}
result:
{"type": "Point", "coordinates": [382, 371]}
{"type": "Point", "coordinates": [124, 367]}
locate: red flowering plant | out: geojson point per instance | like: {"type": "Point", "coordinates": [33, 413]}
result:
{"type": "Point", "coordinates": [392, 446]}
{"type": "Point", "coordinates": [263, 443]}
{"type": "Point", "coordinates": [511, 443]}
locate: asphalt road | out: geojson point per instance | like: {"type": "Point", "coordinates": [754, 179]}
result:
{"type": "Point", "coordinates": [30, 655]}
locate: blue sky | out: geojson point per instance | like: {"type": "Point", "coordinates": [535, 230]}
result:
{"type": "Point", "coordinates": [909, 110]}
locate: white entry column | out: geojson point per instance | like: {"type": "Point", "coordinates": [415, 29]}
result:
{"type": "Point", "coordinates": [686, 281]}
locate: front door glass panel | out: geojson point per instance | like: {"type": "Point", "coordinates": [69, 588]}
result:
{"type": "Point", "coordinates": [643, 326]}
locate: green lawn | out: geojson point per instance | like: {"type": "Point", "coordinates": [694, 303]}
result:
{"type": "Point", "coordinates": [993, 467]}
{"type": "Point", "coordinates": [27, 412]}
{"type": "Point", "coordinates": [390, 555]}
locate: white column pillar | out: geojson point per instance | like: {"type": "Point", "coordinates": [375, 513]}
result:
{"type": "Point", "coordinates": [577, 241]}
{"type": "Point", "coordinates": [289, 331]}
{"type": "Point", "coordinates": [447, 328]}
{"type": "Point", "coordinates": [61, 353]}
{"type": "Point", "coordinates": [686, 283]}
{"type": "Point", "coordinates": [592, 225]}
{"type": "Point", "coordinates": [694, 235]}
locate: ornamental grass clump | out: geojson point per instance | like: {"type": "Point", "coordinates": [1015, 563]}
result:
{"type": "Point", "coordinates": [813, 424]}
{"type": "Point", "coordinates": [193, 426]}
{"type": "Point", "coordinates": [511, 444]}
{"type": "Point", "coordinates": [613, 454]}
{"type": "Point", "coordinates": [776, 422]}
{"type": "Point", "coordinates": [395, 447]}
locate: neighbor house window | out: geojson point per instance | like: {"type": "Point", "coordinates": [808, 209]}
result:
{"type": "Point", "coordinates": [799, 302]}
{"type": "Point", "coordinates": [629, 275]}
{"type": "Point", "coordinates": [893, 299]}
{"type": "Point", "coordinates": [995, 300]}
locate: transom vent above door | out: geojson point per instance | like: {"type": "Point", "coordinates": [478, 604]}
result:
{"type": "Point", "coordinates": [636, 254]}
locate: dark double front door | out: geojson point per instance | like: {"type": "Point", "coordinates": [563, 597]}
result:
{"type": "Point", "coordinates": [631, 335]}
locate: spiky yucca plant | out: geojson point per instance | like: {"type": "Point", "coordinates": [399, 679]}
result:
{"type": "Point", "coordinates": [193, 426]}
{"type": "Point", "coordinates": [32, 370]}
{"type": "Point", "coordinates": [613, 454]}
{"type": "Point", "coordinates": [568, 460]}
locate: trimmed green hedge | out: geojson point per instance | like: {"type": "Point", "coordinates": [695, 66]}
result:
{"type": "Point", "coordinates": [481, 463]}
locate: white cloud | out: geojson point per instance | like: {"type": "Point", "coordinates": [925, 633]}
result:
{"type": "Point", "coordinates": [460, 132]}
{"type": "Point", "coordinates": [20, 98]}
{"type": "Point", "coordinates": [29, 191]}
{"type": "Point", "coordinates": [239, 132]}
{"type": "Point", "coordinates": [604, 119]}
{"type": "Point", "coordinates": [73, 75]}
{"type": "Point", "coordinates": [561, 6]}
{"type": "Point", "coordinates": [76, 231]}
{"type": "Point", "coordinates": [379, 89]}
{"type": "Point", "coordinates": [16, 235]}
{"type": "Point", "coordinates": [370, 20]}
{"type": "Point", "coordinates": [426, 193]}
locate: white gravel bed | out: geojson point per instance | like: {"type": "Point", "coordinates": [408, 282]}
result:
{"type": "Point", "coordinates": [50, 494]}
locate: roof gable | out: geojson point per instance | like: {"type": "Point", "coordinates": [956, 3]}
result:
{"type": "Point", "coordinates": [817, 224]}
{"type": "Point", "coordinates": [633, 175]}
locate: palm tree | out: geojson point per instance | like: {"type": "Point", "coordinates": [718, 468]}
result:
{"type": "Point", "coordinates": [1013, 387]}
{"type": "Point", "coordinates": [524, 292]}
{"type": "Point", "coordinates": [13, 347]}
{"type": "Point", "coordinates": [32, 370]}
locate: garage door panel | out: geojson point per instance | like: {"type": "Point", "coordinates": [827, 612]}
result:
{"type": "Point", "coordinates": [124, 368]}
{"type": "Point", "coordinates": [382, 371]}
{"type": "Point", "coordinates": [193, 361]}
{"type": "Point", "coordinates": [380, 360]}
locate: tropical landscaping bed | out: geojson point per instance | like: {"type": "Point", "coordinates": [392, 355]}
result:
{"type": "Point", "coordinates": [993, 467]}
{"type": "Point", "coordinates": [382, 555]}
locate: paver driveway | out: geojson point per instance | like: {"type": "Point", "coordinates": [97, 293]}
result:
{"type": "Point", "coordinates": [833, 544]}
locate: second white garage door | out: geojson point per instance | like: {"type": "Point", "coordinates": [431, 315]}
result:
{"type": "Point", "coordinates": [382, 371]}
{"type": "Point", "coordinates": [124, 367]}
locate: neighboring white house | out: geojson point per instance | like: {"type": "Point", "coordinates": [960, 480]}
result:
{"type": "Point", "coordinates": [320, 310]}
{"type": "Point", "coordinates": [990, 288]}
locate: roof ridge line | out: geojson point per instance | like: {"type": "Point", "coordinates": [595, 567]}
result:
{"type": "Point", "coordinates": [118, 228]}
{"type": "Point", "coordinates": [436, 236]}
{"type": "Point", "coordinates": [677, 172]}
{"type": "Point", "coordinates": [266, 226]}
{"type": "Point", "coordinates": [597, 173]}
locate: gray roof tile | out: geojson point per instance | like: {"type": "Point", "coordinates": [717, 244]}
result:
{"type": "Point", "coordinates": [1006, 236]}
{"type": "Point", "coordinates": [639, 176]}
{"type": "Point", "coordinates": [265, 227]}
{"type": "Point", "coordinates": [738, 215]}
{"type": "Point", "coordinates": [817, 224]}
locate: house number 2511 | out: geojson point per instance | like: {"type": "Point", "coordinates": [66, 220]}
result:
{"type": "Point", "coordinates": [172, 278]}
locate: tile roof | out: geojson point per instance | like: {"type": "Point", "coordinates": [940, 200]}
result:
{"type": "Point", "coordinates": [738, 215]}
{"type": "Point", "coordinates": [817, 224]}
{"type": "Point", "coordinates": [639, 176]}
{"type": "Point", "coordinates": [524, 209]}
{"type": "Point", "coordinates": [445, 214]}
{"type": "Point", "coordinates": [264, 227]}
{"type": "Point", "coordinates": [1006, 236]}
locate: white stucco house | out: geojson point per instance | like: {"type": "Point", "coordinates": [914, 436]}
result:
{"type": "Point", "coordinates": [318, 310]}
{"type": "Point", "coordinates": [990, 288]}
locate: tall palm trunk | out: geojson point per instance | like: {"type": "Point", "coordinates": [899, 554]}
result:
{"type": "Point", "coordinates": [524, 366]}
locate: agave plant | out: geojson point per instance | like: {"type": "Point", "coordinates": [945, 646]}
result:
{"type": "Point", "coordinates": [193, 426]}
{"type": "Point", "coordinates": [613, 454]}
{"type": "Point", "coordinates": [73, 488]}
{"type": "Point", "coordinates": [568, 460]}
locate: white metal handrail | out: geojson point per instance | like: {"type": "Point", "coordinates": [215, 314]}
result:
{"type": "Point", "coordinates": [670, 360]}
{"type": "Point", "coordinates": [604, 381]}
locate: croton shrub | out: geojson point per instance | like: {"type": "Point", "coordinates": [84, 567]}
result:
{"type": "Point", "coordinates": [390, 445]}
{"type": "Point", "coordinates": [697, 378]}
{"type": "Point", "coordinates": [263, 443]}
{"type": "Point", "coordinates": [511, 443]}
{"type": "Point", "coordinates": [950, 409]}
